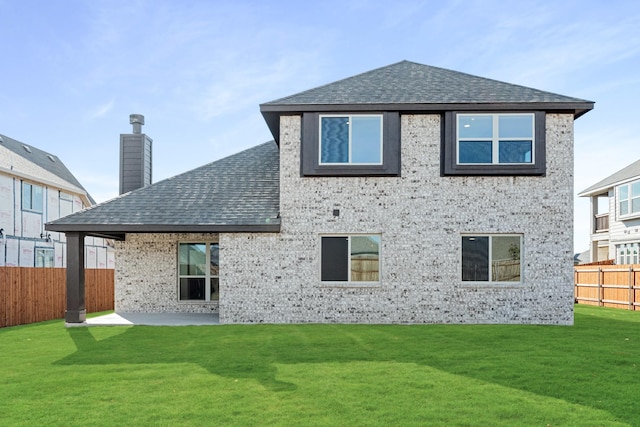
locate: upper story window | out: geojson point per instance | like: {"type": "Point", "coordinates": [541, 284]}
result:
{"type": "Point", "coordinates": [495, 138]}
{"type": "Point", "coordinates": [351, 139]}
{"type": "Point", "coordinates": [494, 143]}
{"type": "Point", "coordinates": [629, 199]}
{"type": "Point", "coordinates": [31, 197]}
{"type": "Point", "coordinates": [351, 144]}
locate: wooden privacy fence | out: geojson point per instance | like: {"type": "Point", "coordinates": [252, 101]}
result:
{"type": "Point", "coordinates": [29, 295]}
{"type": "Point", "coordinates": [616, 286]}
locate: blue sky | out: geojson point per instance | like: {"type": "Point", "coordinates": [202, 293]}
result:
{"type": "Point", "coordinates": [72, 71]}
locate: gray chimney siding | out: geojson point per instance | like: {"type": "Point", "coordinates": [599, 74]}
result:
{"type": "Point", "coordinates": [135, 157]}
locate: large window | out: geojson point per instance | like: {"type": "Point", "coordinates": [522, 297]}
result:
{"type": "Point", "coordinates": [31, 197]}
{"type": "Point", "coordinates": [350, 259]}
{"type": "Point", "coordinates": [492, 258]}
{"type": "Point", "coordinates": [494, 143]}
{"type": "Point", "coordinates": [629, 199]}
{"type": "Point", "coordinates": [351, 140]}
{"type": "Point", "coordinates": [198, 271]}
{"type": "Point", "coordinates": [495, 138]}
{"type": "Point", "coordinates": [350, 144]}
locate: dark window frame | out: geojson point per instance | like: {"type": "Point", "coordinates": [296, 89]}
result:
{"type": "Point", "coordinates": [208, 276]}
{"type": "Point", "coordinates": [449, 147]}
{"type": "Point", "coordinates": [310, 148]}
{"type": "Point", "coordinates": [337, 258]}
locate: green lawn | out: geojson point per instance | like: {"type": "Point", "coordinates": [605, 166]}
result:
{"type": "Point", "coordinates": [336, 375]}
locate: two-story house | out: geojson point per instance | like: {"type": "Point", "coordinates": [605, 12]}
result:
{"type": "Point", "coordinates": [36, 187]}
{"type": "Point", "coordinates": [406, 194]}
{"type": "Point", "coordinates": [615, 216]}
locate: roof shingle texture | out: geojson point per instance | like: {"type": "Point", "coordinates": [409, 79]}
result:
{"type": "Point", "coordinates": [242, 189]}
{"type": "Point", "coordinates": [412, 83]}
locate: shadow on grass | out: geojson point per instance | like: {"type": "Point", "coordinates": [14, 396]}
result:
{"type": "Point", "coordinates": [596, 363]}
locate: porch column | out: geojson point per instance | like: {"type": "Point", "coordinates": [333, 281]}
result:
{"type": "Point", "coordinates": [76, 311]}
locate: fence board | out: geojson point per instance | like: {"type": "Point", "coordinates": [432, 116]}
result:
{"type": "Point", "coordinates": [616, 286]}
{"type": "Point", "coordinates": [29, 295]}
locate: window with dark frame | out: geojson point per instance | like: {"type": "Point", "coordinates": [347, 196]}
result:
{"type": "Point", "coordinates": [350, 259]}
{"type": "Point", "coordinates": [350, 144]}
{"type": "Point", "coordinates": [198, 271]}
{"type": "Point", "coordinates": [492, 258]}
{"type": "Point", "coordinates": [494, 143]}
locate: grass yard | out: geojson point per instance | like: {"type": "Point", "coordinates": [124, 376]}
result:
{"type": "Point", "coordinates": [325, 375]}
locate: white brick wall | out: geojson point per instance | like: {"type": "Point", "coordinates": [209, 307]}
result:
{"type": "Point", "coordinates": [276, 277]}
{"type": "Point", "coordinates": [146, 276]}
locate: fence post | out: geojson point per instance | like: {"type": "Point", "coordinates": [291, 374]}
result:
{"type": "Point", "coordinates": [600, 296]}
{"type": "Point", "coordinates": [630, 282]}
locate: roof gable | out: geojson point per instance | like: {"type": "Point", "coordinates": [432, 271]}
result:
{"type": "Point", "coordinates": [409, 86]}
{"type": "Point", "coordinates": [238, 193]}
{"type": "Point", "coordinates": [42, 159]}
{"type": "Point", "coordinates": [625, 174]}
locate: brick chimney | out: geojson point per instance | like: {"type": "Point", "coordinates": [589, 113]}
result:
{"type": "Point", "coordinates": [135, 157]}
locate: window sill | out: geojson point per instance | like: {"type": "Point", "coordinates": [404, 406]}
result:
{"type": "Point", "coordinates": [499, 285]}
{"type": "Point", "coordinates": [350, 285]}
{"type": "Point", "coordinates": [629, 217]}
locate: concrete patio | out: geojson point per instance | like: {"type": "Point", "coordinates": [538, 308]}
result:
{"type": "Point", "coordinates": [151, 319]}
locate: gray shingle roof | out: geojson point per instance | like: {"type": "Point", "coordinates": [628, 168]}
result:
{"type": "Point", "coordinates": [412, 83]}
{"type": "Point", "coordinates": [625, 174]}
{"type": "Point", "coordinates": [47, 161]}
{"type": "Point", "coordinates": [238, 193]}
{"type": "Point", "coordinates": [409, 86]}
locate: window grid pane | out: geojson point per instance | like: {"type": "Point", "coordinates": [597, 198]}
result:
{"type": "Point", "coordinates": [495, 139]}
{"type": "Point", "coordinates": [334, 143]}
{"type": "Point", "coordinates": [365, 258]}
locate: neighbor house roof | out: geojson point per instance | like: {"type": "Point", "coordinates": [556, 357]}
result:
{"type": "Point", "coordinates": [44, 161]}
{"type": "Point", "coordinates": [238, 193]}
{"type": "Point", "coordinates": [628, 173]}
{"type": "Point", "coordinates": [409, 86]}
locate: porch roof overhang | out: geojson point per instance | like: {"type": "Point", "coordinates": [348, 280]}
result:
{"type": "Point", "coordinates": [119, 231]}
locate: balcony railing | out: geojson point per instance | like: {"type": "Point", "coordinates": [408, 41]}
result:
{"type": "Point", "coordinates": [602, 222]}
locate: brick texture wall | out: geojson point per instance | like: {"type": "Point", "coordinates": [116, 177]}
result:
{"type": "Point", "coordinates": [275, 278]}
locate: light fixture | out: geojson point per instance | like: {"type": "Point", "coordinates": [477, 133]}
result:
{"type": "Point", "coordinates": [46, 237]}
{"type": "Point", "coordinates": [1, 232]}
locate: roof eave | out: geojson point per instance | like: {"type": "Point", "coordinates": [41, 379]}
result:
{"type": "Point", "coordinates": [117, 231]}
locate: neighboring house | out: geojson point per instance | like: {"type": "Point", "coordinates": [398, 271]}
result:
{"type": "Point", "coordinates": [615, 216]}
{"type": "Point", "coordinates": [406, 194]}
{"type": "Point", "coordinates": [36, 187]}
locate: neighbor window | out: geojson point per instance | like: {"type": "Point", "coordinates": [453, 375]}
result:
{"type": "Point", "coordinates": [492, 258]}
{"type": "Point", "coordinates": [31, 197]}
{"type": "Point", "coordinates": [44, 257]}
{"type": "Point", "coordinates": [198, 271]}
{"type": "Point", "coordinates": [349, 259]}
{"type": "Point", "coordinates": [629, 199]}
{"type": "Point", "coordinates": [627, 253]}
{"type": "Point", "coordinates": [355, 139]}
{"type": "Point", "coordinates": [494, 143]}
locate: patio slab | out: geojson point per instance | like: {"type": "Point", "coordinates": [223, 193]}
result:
{"type": "Point", "coordinates": [151, 319]}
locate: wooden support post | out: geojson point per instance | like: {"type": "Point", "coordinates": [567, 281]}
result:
{"type": "Point", "coordinates": [76, 310]}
